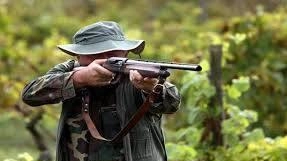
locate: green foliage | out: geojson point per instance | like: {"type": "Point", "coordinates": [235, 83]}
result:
{"type": "Point", "coordinates": [22, 157]}
{"type": "Point", "coordinates": [238, 86]}
{"type": "Point", "coordinates": [260, 149]}
{"type": "Point", "coordinates": [180, 152]}
{"type": "Point", "coordinates": [261, 55]}
{"type": "Point", "coordinates": [253, 63]}
{"type": "Point", "coordinates": [240, 142]}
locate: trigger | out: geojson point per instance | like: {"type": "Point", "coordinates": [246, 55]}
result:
{"type": "Point", "coordinates": [116, 78]}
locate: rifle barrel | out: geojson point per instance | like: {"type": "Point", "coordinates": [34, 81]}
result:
{"type": "Point", "coordinates": [193, 67]}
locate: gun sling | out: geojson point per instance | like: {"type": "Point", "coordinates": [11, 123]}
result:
{"type": "Point", "coordinates": [131, 123]}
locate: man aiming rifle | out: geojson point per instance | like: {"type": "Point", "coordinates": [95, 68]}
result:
{"type": "Point", "coordinates": [111, 111]}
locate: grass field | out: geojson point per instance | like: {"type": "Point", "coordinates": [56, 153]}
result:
{"type": "Point", "coordinates": [15, 139]}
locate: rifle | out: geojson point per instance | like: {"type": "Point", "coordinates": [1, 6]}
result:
{"type": "Point", "coordinates": [150, 69]}
{"type": "Point", "coordinates": [146, 68]}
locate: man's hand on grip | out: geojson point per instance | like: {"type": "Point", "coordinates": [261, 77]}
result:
{"type": "Point", "coordinates": [92, 75]}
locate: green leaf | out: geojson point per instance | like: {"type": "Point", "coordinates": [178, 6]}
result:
{"type": "Point", "coordinates": [242, 84]}
{"type": "Point", "coordinates": [238, 86]}
{"type": "Point", "coordinates": [195, 116]}
{"type": "Point", "coordinates": [238, 38]}
{"type": "Point", "coordinates": [233, 92]}
{"type": "Point", "coordinates": [180, 152]}
{"type": "Point", "coordinates": [254, 135]}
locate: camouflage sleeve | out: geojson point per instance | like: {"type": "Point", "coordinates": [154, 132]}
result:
{"type": "Point", "coordinates": [55, 86]}
{"type": "Point", "coordinates": [170, 101]}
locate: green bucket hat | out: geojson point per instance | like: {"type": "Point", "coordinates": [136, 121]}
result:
{"type": "Point", "coordinates": [101, 37]}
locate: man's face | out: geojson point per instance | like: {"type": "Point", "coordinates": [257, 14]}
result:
{"type": "Point", "coordinates": [87, 59]}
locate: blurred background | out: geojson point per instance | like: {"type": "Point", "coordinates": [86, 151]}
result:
{"type": "Point", "coordinates": [233, 110]}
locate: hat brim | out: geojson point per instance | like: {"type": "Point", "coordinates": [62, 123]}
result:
{"type": "Point", "coordinates": [135, 46]}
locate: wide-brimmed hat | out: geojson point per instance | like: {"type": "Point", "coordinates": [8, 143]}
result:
{"type": "Point", "coordinates": [101, 37]}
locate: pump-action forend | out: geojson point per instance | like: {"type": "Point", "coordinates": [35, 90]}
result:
{"type": "Point", "coordinates": [146, 68]}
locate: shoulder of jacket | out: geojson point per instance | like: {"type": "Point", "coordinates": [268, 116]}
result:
{"type": "Point", "coordinates": [63, 67]}
{"type": "Point", "coordinates": [69, 64]}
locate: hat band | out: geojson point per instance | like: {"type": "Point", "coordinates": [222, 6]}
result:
{"type": "Point", "coordinates": [95, 39]}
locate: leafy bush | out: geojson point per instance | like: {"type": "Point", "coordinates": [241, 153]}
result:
{"type": "Point", "coordinates": [21, 157]}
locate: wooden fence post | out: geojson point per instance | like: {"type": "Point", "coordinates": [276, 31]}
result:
{"type": "Point", "coordinates": [216, 101]}
{"type": "Point", "coordinates": [213, 123]}
{"type": "Point", "coordinates": [215, 76]}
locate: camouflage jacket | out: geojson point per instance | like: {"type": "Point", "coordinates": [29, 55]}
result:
{"type": "Point", "coordinates": [145, 142]}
